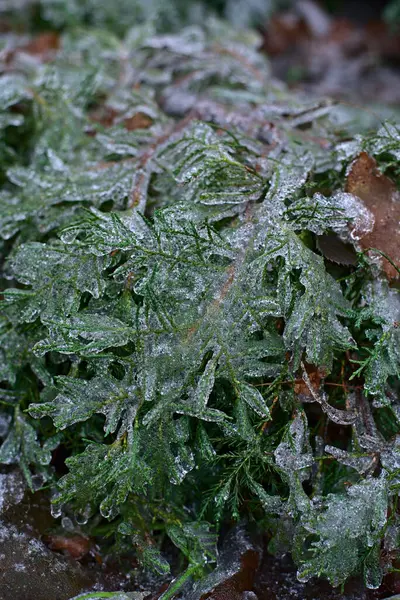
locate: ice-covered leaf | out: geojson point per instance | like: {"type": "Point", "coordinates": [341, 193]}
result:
{"type": "Point", "coordinates": [22, 447]}
{"type": "Point", "coordinates": [196, 541]}
{"type": "Point", "coordinates": [311, 310]}
{"type": "Point", "coordinates": [339, 550]}
{"type": "Point", "coordinates": [85, 333]}
{"type": "Point", "coordinates": [103, 476]}
{"type": "Point", "coordinates": [79, 399]}
{"type": "Point", "coordinates": [382, 361]}
{"type": "Point", "coordinates": [254, 399]}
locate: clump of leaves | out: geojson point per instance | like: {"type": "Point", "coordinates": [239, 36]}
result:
{"type": "Point", "coordinates": [167, 314]}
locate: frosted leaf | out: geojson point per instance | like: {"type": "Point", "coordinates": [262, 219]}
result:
{"type": "Point", "coordinates": [119, 142]}
{"type": "Point", "coordinates": [209, 170]}
{"type": "Point", "coordinates": [86, 333]}
{"type": "Point", "coordinates": [101, 395]}
{"type": "Point", "coordinates": [360, 463]}
{"type": "Point", "coordinates": [373, 570]}
{"type": "Point", "coordinates": [271, 504]}
{"type": "Point", "coordinates": [346, 151]}
{"type": "Point", "coordinates": [390, 458]}
{"type": "Point", "coordinates": [113, 596]}
{"type": "Point", "coordinates": [205, 385]}
{"type": "Point", "coordinates": [21, 446]}
{"type": "Point", "coordinates": [362, 220]}
{"type": "Point", "coordinates": [382, 303]}
{"type": "Point", "coordinates": [311, 315]}
{"type": "Point", "coordinates": [181, 467]}
{"type": "Point", "coordinates": [387, 139]}
{"type": "Point", "coordinates": [254, 399]}
{"type": "Point", "coordinates": [61, 269]}
{"type": "Point", "coordinates": [286, 182]}
{"type": "Point", "coordinates": [346, 527]}
{"type": "Point", "coordinates": [316, 214]}
{"type": "Point", "coordinates": [12, 215]}
{"type": "Point", "coordinates": [391, 540]}
{"type": "Point", "coordinates": [190, 42]}
{"type": "Point", "coordinates": [13, 89]}
{"type": "Point", "coordinates": [111, 182]}
{"type": "Point", "coordinates": [294, 454]}
{"type": "Point", "coordinates": [5, 421]}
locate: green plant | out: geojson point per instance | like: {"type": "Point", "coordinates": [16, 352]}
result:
{"type": "Point", "coordinates": [167, 315]}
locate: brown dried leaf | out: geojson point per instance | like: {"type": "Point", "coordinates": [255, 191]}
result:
{"type": "Point", "coordinates": [43, 44]}
{"type": "Point", "coordinates": [108, 116]}
{"type": "Point", "coordinates": [137, 121]}
{"type": "Point", "coordinates": [380, 196]}
{"type": "Point", "coordinates": [300, 387]}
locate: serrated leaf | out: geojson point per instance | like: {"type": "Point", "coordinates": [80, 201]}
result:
{"type": "Point", "coordinates": [79, 399]}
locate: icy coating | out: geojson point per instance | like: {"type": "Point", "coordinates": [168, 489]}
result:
{"type": "Point", "coordinates": [170, 316]}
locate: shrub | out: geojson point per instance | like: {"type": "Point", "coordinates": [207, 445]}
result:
{"type": "Point", "coordinates": [189, 308]}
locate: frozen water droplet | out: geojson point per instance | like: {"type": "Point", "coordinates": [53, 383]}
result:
{"type": "Point", "coordinates": [67, 524]}
{"type": "Point", "coordinates": [38, 481]}
{"type": "Point", "coordinates": [83, 518]}
{"type": "Point", "coordinates": [56, 511]}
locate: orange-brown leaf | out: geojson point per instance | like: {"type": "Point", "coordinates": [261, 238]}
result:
{"type": "Point", "coordinates": [380, 196]}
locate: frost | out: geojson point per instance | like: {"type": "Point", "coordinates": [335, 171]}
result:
{"type": "Point", "coordinates": [254, 399]}
{"type": "Point", "coordinates": [12, 490]}
{"type": "Point", "coordinates": [4, 424]}
{"type": "Point", "coordinates": [361, 219]}
{"type": "Point", "coordinates": [360, 463]}
{"type": "Point", "coordinates": [168, 310]}
{"type": "Point", "coordinates": [336, 415]}
{"type": "Point", "coordinates": [338, 551]}
{"type": "Point", "coordinates": [113, 596]}
{"type": "Point", "coordinates": [294, 453]}
{"type": "Point", "coordinates": [387, 139]}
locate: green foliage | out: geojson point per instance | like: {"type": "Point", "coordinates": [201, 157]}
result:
{"type": "Point", "coordinates": [167, 311]}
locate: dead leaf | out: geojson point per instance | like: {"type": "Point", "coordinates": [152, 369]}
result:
{"type": "Point", "coordinates": [104, 115]}
{"type": "Point", "coordinates": [76, 546]}
{"type": "Point", "coordinates": [300, 387]}
{"type": "Point", "coordinates": [43, 44]}
{"type": "Point", "coordinates": [284, 32]}
{"type": "Point", "coordinates": [381, 197]}
{"type": "Point", "coordinates": [108, 116]}
{"type": "Point", "coordinates": [137, 121]}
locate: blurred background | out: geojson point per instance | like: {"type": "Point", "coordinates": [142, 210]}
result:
{"type": "Point", "coordinates": [346, 49]}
